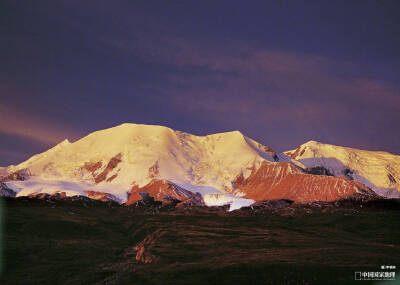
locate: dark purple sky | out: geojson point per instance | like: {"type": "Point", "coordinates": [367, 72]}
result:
{"type": "Point", "coordinates": [281, 72]}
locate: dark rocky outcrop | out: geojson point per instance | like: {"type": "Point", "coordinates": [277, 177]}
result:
{"type": "Point", "coordinates": [273, 204]}
{"type": "Point", "coordinates": [5, 191]}
{"type": "Point", "coordinates": [391, 178]}
{"type": "Point", "coordinates": [319, 170]}
{"type": "Point", "coordinates": [348, 173]}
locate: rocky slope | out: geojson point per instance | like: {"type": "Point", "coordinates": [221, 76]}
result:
{"type": "Point", "coordinates": [376, 169]}
{"type": "Point", "coordinates": [286, 181]}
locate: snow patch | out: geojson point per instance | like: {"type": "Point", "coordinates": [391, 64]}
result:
{"type": "Point", "coordinates": [219, 199]}
{"type": "Point", "coordinates": [37, 185]}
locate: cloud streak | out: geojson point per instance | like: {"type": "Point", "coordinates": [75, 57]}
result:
{"type": "Point", "coordinates": [24, 124]}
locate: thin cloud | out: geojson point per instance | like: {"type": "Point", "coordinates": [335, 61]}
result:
{"type": "Point", "coordinates": [232, 67]}
{"type": "Point", "coordinates": [18, 122]}
{"type": "Point", "coordinates": [236, 66]}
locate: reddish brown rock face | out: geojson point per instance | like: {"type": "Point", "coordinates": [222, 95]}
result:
{"type": "Point", "coordinates": [285, 181]}
{"type": "Point", "coordinates": [59, 194]}
{"type": "Point", "coordinates": [110, 166]}
{"type": "Point", "coordinates": [154, 171]}
{"type": "Point", "coordinates": [94, 166]}
{"type": "Point", "coordinates": [297, 152]}
{"type": "Point", "coordinates": [163, 190]}
{"type": "Point", "coordinates": [112, 178]}
{"type": "Point", "coordinates": [239, 180]}
{"type": "Point", "coordinates": [101, 196]}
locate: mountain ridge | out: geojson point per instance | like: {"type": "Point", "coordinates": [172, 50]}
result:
{"type": "Point", "coordinates": [113, 160]}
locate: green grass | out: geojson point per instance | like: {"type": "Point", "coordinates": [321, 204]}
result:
{"type": "Point", "coordinates": [66, 243]}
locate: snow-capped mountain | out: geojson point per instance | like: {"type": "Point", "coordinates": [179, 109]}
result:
{"type": "Point", "coordinates": [376, 169]}
{"type": "Point", "coordinates": [225, 168]}
{"type": "Point", "coordinates": [130, 155]}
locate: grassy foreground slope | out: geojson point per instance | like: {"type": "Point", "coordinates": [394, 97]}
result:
{"type": "Point", "coordinates": [97, 243]}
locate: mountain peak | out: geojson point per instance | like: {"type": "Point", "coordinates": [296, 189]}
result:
{"type": "Point", "coordinates": [311, 142]}
{"type": "Point", "coordinates": [64, 142]}
{"type": "Point", "coordinates": [131, 127]}
{"type": "Point", "coordinates": [236, 132]}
